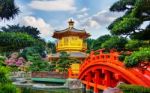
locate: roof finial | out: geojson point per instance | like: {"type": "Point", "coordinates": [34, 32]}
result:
{"type": "Point", "coordinates": [71, 23]}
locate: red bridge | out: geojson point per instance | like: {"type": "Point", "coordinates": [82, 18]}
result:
{"type": "Point", "coordinates": [101, 70]}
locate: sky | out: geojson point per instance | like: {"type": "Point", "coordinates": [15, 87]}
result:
{"type": "Point", "coordinates": [50, 15]}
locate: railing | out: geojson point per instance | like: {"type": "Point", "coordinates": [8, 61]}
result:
{"type": "Point", "coordinates": [101, 70]}
{"type": "Point", "coordinates": [100, 56]}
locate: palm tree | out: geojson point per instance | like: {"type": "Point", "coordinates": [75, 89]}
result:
{"type": "Point", "coordinates": [8, 9]}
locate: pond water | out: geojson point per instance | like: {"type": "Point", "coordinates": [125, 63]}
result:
{"type": "Point", "coordinates": [32, 90]}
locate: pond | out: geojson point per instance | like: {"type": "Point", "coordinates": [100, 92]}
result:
{"type": "Point", "coordinates": [33, 90]}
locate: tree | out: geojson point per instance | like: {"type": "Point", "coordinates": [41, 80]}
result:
{"type": "Point", "coordinates": [95, 44]}
{"type": "Point", "coordinates": [15, 41]}
{"type": "Point", "coordinates": [34, 32]}
{"type": "Point", "coordinates": [37, 63]}
{"type": "Point", "coordinates": [64, 62]}
{"type": "Point", "coordinates": [134, 45]}
{"type": "Point", "coordinates": [115, 42]}
{"type": "Point", "coordinates": [90, 45]}
{"type": "Point", "coordinates": [8, 9]}
{"type": "Point", "coordinates": [6, 85]}
{"type": "Point", "coordinates": [51, 46]}
{"type": "Point", "coordinates": [98, 42]}
{"type": "Point", "coordinates": [136, 13]}
{"type": "Point", "coordinates": [39, 46]}
{"type": "Point", "coordinates": [143, 55]}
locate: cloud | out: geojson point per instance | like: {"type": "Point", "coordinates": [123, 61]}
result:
{"type": "Point", "coordinates": [53, 5]}
{"type": "Point", "coordinates": [82, 13]}
{"type": "Point", "coordinates": [45, 29]}
{"type": "Point", "coordinates": [79, 16]}
{"type": "Point", "coordinates": [102, 18]}
{"type": "Point", "coordinates": [83, 10]}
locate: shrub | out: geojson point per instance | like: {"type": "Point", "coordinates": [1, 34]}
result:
{"type": "Point", "coordinates": [9, 88]}
{"type": "Point", "coordinates": [5, 83]}
{"type": "Point", "coordinates": [133, 88]}
{"type": "Point", "coordinates": [4, 74]}
{"type": "Point", "coordinates": [143, 55]}
{"type": "Point", "coordinates": [115, 42]}
{"type": "Point", "coordinates": [37, 63]}
{"type": "Point", "coordinates": [133, 44]}
{"type": "Point", "coordinates": [2, 61]}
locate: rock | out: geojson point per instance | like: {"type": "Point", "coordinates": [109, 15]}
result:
{"type": "Point", "coordinates": [113, 90]}
{"type": "Point", "coordinates": [73, 84]}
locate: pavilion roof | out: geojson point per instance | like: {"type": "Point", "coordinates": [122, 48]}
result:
{"type": "Point", "coordinates": [70, 31]}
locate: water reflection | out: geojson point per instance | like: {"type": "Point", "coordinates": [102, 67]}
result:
{"type": "Point", "coordinates": [32, 90]}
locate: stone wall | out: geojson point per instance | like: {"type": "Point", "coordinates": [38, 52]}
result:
{"type": "Point", "coordinates": [73, 84]}
{"type": "Point", "coordinates": [21, 74]}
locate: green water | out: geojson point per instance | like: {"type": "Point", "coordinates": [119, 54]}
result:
{"type": "Point", "coordinates": [32, 90]}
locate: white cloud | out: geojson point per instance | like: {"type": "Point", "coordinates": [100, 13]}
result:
{"type": "Point", "coordinates": [100, 19]}
{"type": "Point", "coordinates": [45, 29]}
{"type": "Point", "coordinates": [96, 24]}
{"type": "Point", "coordinates": [83, 10]}
{"type": "Point", "coordinates": [53, 5]}
{"type": "Point", "coordinates": [82, 15]}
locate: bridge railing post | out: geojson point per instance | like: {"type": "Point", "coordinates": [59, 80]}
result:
{"type": "Point", "coordinates": [88, 79]}
{"type": "Point", "coordinates": [107, 78]}
{"type": "Point", "coordinates": [96, 81]}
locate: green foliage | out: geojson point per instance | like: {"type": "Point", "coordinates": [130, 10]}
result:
{"type": "Point", "coordinates": [90, 44]}
{"type": "Point", "coordinates": [51, 46]}
{"type": "Point", "coordinates": [122, 57]}
{"type": "Point", "coordinates": [32, 50]}
{"type": "Point", "coordinates": [133, 88]}
{"type": "Point", "coordinates": [5, 84]}
{"type": "Point", "coordinates": [14, 41]}
{"type": "Point", "coordinates": [121, 5]}
{"type": "Point", "coordinates": [136, 13]}
{"type": "Point", "coordinates": [115, 42]}
{"type": "Point", "coordinates": [8, 9]}
{"type": "Point", "coordinates": [4, 74]}
{"type": "Point", "coordinates": [143, 55]}
{"type": "Point", "coordinates": [8, 88]}
{"type": "Point", "coordinates": [95, 44]}
{"type": "Point", "coordinates": [65, 62]}
{"type": "Point", "coordinates": [37, 63]}
{"type": "Point", "coordinates": [34, 32]}
{"type": "Point", "coordinates": [39, 46]}
{"type": "Point", "coordinates": [125, 26]}
{"type": "Point", "coordinates": [98, 42]}
{"type": "Point", "coordinates": [142, 35]}
{"type": "Point", "coordinates": [134, 44]}
{"type": "Point", "coordinates": [2, 59]}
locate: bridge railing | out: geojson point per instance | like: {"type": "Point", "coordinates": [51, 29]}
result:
{"type": "Point", "coordinates": [100, 56]}
{"type": "Point", "coordinates": [101, 70]}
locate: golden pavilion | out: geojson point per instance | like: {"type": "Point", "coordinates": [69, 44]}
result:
{"type": "Point", "coordinates": [72, 41]}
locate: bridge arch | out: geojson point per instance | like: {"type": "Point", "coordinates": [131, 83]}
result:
{"type": "Point", "coordinates": [105, 70]}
